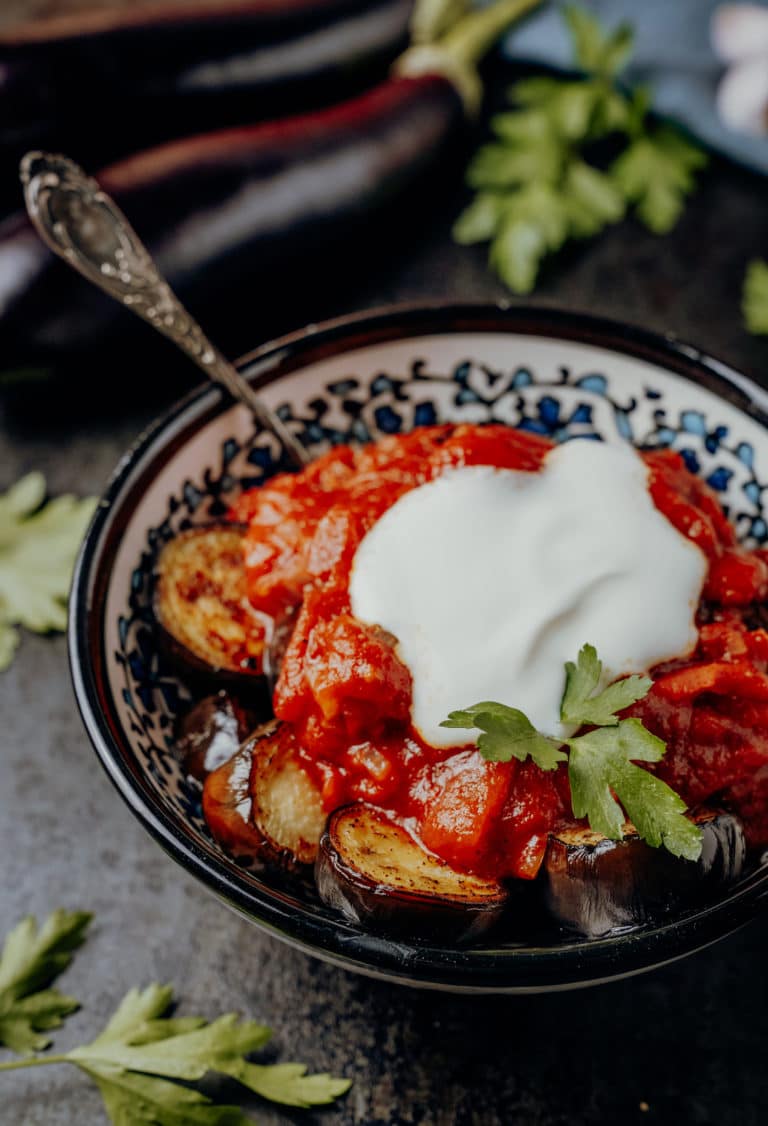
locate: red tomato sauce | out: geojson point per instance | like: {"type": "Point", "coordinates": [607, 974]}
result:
{"type": "Point", "coordinates": [347, 695]}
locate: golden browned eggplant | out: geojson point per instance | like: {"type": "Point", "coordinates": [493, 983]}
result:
{"type": "Point", "coordinates": [206, 623]}
{"type": "Point", "coordinates": [287, 806]}
{"type": "Point", "coordinates": [596, 886]}
{"type": "Point", "coordinates": [373, 872]}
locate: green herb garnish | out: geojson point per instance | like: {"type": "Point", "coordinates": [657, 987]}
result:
{"type": "Point", "coordinates": [38, 545]}
{"type": "Point", "coordinates": [571, 157]}
{"type": "Point", "coordinates": [606, 784]}
{"type": "Point", "coordinates": [755, 297]}
{"type": "Point", "coordinates": [138, 1057]}
{"type": "Point", "coordinates": [30, 961]}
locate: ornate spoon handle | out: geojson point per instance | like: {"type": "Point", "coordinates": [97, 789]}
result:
{"type": "Point", "coordinates": [86, 228]}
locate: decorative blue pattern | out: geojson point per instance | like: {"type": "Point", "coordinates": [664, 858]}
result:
{"type": "Point", "coordinates": [572, 405]}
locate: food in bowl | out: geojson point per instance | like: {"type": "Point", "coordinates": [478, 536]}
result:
{"type": "Point", "coordinates": [388, 587]}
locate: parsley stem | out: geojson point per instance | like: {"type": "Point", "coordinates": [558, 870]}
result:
{"type": "Point", "coordinates": [32, 1061]}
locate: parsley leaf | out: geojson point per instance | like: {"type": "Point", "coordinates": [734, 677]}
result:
{"type": "Point", "coordinates": [535, 223]}
{"type": "Point", "coordinates": [182, 1053]}
{"type": "Point", "coordinates": [552, 172]}
{"type": "Point", "coordinates": [30, 960]}
{"type": "Point", "coordinates": [38, 546]}
{"type": "Point", "coordinates": [137, 1040]}
{"type": "Point", "coordinates": [600, 762]}
{"type": "Point", "coordinates": [755, 297]}
{"type": "Point", "coordinates": [656, 173]}
{"type": "Point", "coordinates": [144, 1100]}
{"type": "Point", "coordinates": [507, 734]}
{"type": "Point", "coordinates": [140, 1053]}
{"type": "Point", "coordinates": [580, 705]}
{"type": "Point", "coordinates": [289, 1084]}
{"type": "Point", "coordinates": [592, 199]}
{"type": "Point", "coordinates": [597, 51]}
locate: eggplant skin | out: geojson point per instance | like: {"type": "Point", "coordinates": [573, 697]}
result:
{"type": "Point", "coordinates": [205, 623]}
{"type": "Point", "coordinates": [169, 71]}
{"type": "Point", "coordinates": [597, 886]}
{"type": "Point", "coordinates": [376, 875]}
{"type": "Point", "coordinates": [222, 212]}
{"type": "Point", "coordinates": [287, 810]}
{"type": "Point", "coordinates": [227, 807]}
{"type": "Point", "coordinates": [210, 733]}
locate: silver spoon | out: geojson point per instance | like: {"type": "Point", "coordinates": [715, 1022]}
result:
{"type": "Point", "coordinates": [86, 228]}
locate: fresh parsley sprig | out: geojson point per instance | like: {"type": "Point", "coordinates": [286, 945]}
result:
{"type": "Point", "coordinates": [755, 297]}
{"type": "Point", "coordinates": [30, 961]}
{"type": "Point", "coordinates": [38, 545]}
{"type": "Point", "coordinates": [571, 157]}
{"type": "Point", "coordinates": [606, 784]}
{"type": "Point", "coordinates": [138, 1058]}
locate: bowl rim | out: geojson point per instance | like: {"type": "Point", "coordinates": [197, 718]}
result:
{"type": "Point", "coordinates": [570, 964]}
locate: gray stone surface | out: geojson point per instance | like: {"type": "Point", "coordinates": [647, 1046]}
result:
{"type": "Point", "coordinates": [688, 1041]}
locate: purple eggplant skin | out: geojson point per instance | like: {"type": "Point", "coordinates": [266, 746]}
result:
{"type": "Point", "coordinates": [374, 874]}
{"type": "Point", "coordinates": [251, 209]}
{"type": "Point", "coordinates": [166, 72]}
{"type": "Point", "coordinates": [597, 886]}
{"type": "Point", "coordinates": [210, 733]}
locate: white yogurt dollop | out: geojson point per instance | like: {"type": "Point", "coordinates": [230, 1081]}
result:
{"type": "Point", "coordinates": [491, 579]}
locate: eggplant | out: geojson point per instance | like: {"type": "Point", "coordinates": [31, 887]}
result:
{"type": "Point", "coordinates": [205, 623]}
{"type": "Point", "coordinates": [260, 208]}
{"type": "Point", "coordinates": [227, 807]}
{"type": "Point", "coordinates": [598, 886]}
{"type": "Point", "coordinates": [376, 875]}
{"type": "Point", "coordinates": [287, 810]}
{"type": "Point", "coordinates": [210, 733]}
{"type": "Point", "coordinates": [170, 71]}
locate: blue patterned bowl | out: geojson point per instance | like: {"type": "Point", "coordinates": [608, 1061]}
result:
{"type": "Point", "coordinates": [554, 373]}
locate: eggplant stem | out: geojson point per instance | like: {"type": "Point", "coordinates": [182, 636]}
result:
{"type": "Point", "coordinates": [455, 56]}
{"type": "Point", "coordinates": [472, 37]}
{"type": "Point", "coordinates": [432, 18]}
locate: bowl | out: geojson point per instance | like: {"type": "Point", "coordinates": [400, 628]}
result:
{"type": "Point", "coordinates": [556, 373]}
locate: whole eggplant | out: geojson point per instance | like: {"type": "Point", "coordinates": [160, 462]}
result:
{"type": "Point", "coordinates": [249, 209]}
{"type": "Point", "coordinates": [101, 84]}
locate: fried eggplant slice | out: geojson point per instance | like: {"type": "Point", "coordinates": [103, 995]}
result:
{"type": "Point", "coordinates": [597, 886]}
{"type": "Point", "coordinates": [227, 806]}
{"type": "Point", "coordinates": [373, 872]}
{"type": "Point", "coordinates": [288, 809]}
{"type": "Point", "coordinates": [209, 734]}
{"type": "Point", "coordinates": [206, 623]}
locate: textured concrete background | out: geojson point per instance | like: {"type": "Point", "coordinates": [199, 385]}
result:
{"type": "Point", "coordinates": [688, 1042]}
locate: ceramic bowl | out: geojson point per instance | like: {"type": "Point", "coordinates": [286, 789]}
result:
{"type": "Point", "coordinates": [554, 373]}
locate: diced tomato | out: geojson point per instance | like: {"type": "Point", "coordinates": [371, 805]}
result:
{"type": "Point", "coordinates": [722, 678]}
{"type": "Point", "coordinates": [355, 678]}
{"type": "Point", "coordinates": [737, 579]}
{"type": "Point", "coordinates": [499, 446]}
{"type": "Point", "coordinates": [534, 806]}
{"type": "Point", "coordinates": [723, 641]}
{"type": "Point", "coordinates": [466, 797]}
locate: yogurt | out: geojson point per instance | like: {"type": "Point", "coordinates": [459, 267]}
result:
{"type": "Point", "coordinates": [491, 579]}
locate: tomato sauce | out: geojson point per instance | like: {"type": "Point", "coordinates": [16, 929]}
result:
{"type": "Point", "coordinates": [347, 695]}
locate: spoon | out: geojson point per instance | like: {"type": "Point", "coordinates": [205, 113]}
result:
{"type": "Point", "coordinates": [85, 227]}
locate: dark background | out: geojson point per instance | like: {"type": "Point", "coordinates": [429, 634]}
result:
{"type": "Point", "coordinates": [683, 1045]}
